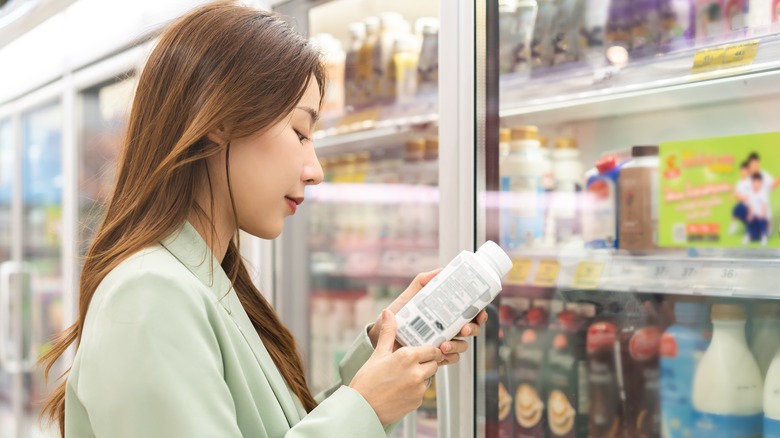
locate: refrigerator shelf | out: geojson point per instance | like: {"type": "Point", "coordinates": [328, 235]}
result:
{"type": "Point", "coordinates": [673, 273]}
{"type": "Point", "coordinates": [649, 84]}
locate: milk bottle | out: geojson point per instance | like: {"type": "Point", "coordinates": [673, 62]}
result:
{"type": "Point", "coordinates": [682, 345]}
{"type": "Point", "coordinates": [727, 386]}
{"type": "Point", "coordinates": [772, 399]}
{"type": "Point", "coordinates": [766, 334]}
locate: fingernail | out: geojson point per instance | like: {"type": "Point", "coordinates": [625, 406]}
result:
{"type": "Point", "coordinates": [467, 331]}
{"type": "Point", "coordinates": [447, 347]}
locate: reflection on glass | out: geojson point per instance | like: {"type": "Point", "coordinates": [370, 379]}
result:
{"type": "Point", "coordinates": [373, 225]}
{"type": "Point", "coordinates": [105, 110]}
{"type": "Point", "coordinates": [41, 238]}
{"type": "Point", "coordinates": [6, 186]}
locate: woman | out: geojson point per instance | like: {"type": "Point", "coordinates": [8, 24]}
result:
{"type": "Point", "coordinates": [172, 338]}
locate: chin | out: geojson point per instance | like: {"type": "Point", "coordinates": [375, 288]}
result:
{"type": "Point", "coordinates": [267, 232]}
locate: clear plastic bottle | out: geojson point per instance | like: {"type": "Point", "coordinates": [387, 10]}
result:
{"type": "Point", "coordinates": [564, 206]}
{"type": "Point", "coordinates": [454, 297]}
{"type": "Point", "coordinates": [357, 34]}
{"type": "Point", "coordinates": [334, 59]}
{"type": "Point", "coordinates": [402, 70]}
{"type": "Point", "coordinates": [365, 63]}
{"type": "Point", "coordinates": [391, 25]}
{"type": "Point", "coordinates": [428, 63]}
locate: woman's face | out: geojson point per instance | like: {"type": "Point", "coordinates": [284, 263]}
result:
{"type": "Point", "coordinates": [269, 170]}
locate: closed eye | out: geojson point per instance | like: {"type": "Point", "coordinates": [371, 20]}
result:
{"type": "Point", "coordinates": [301, 137]}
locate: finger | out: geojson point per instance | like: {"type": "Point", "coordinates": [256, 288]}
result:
{"type": "Point", "coordinates": [426, 353]}
{"type": "Point", "coordinates": [470, 329]}
{"type": "Point", "coordinates": [454, 346]}
{"type": "Point", "coordinates": [387, 334]}
{"type": "Point", "coordinates": [450, 359]}
{"type": "Point", "coordinates": [429, 369]}
{"type": "Point", "coordinates": [481, 317]}
{"type": "Point", "coordinates": [425, 278]}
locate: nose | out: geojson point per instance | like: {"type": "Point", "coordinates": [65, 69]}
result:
{"type": "Point", "coordinates": [312, 170]}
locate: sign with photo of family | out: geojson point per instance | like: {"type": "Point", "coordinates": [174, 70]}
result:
{"type": "Point", "coordinates": [720, 192]}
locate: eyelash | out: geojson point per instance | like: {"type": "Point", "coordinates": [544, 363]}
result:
{"type": "Point", "coordinates": [301, 137]}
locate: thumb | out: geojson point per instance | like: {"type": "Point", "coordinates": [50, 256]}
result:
{"type": "Point", "coordinates": [387, 333]}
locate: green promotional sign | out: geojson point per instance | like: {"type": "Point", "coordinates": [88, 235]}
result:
{"type": "Point", "coordinates": [720, 192]}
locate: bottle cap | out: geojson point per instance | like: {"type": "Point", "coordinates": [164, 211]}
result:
{"type": "Point", "coordinates": [357, 30]}
{"type": "Point", "coordinates": [496, 257]}
{"type": "Point", "coordinates": [426, 25]}
{"type": "Point", "coordinates": [606, 164]}
{"type": "Point", "coordinates": [690, 313]}
{"type": "Point", "coordinates": [372, 25]}
{"type": "Point", "coordinates": [644, 151]}
{"type": "Point", "coordinates": [728, 312]}
{"type": "Point", "coordinates": [565, 143]}
{"type": "Point", "coordinates": [525, 133]}
{"type": "Point", "coordinates": [505, 135]}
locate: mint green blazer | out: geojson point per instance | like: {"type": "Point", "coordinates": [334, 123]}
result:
{"type": "Point", "coordinates": [168, 351]}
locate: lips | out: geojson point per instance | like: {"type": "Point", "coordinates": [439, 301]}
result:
{"type": "Point", "coordinates": [293, 203]}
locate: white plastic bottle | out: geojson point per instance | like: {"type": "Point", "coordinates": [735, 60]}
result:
{"type": "Point", "coordinates": [727, 387]}
{"type": "Point", "coordinates": [772, 399]}
{"type": "Point", "coordinates": [454, 297]}
{"type": "Point", "coordinates": [357, 33]}
{"type": "Point", "coordinates": [565, 210]}
{"type": "Point", "coordinates": [765, 341]}
{"type": "Point", "coordinates": [521, 172]}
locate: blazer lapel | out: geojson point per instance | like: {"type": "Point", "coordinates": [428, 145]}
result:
{"type": "Point", "coordinates": [191, 250]}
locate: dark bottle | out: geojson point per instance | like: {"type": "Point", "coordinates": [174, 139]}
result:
{"type": "Point", "coordinates": [565, 374]}
{"type": "Point", "coordinates": [528, 339]}
{"type": "Point", "coordinates": [640, 342]}
{"type": "Point", "coordinates": [604, 412]}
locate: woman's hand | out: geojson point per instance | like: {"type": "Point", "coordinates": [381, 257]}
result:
{"type": "Point", "coordinates": [451, 349]}
{"type": "Point", "coordinates": [393, 380]}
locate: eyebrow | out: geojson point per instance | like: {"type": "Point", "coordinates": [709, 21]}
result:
{"type": "Point", "coordinates": [314, 114]}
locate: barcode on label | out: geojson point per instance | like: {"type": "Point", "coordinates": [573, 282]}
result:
{"type": "Point", "coordinates": [422, 329]}
{"type": "Point", "coordinates": [679, 233]}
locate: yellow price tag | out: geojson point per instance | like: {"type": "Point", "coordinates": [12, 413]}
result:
{"type": "Point", "coordinates": [708, 60]}
{"type": "Point", "coordinates": [521, 269]}
{"type": "Point", "coordinates": [588, 275]}
{"type": "Point", "coordinates": [741, 54]}
{"type": "Point", "coordinates": [547, 273]}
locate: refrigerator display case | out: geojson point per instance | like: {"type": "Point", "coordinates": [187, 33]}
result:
{"type": "Point", "coordinates": [362, 235]}
{"type": "Point", "coordinates": [625, 159]}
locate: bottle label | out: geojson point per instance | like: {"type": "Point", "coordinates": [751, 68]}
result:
{"type": "Point", "coordinates": [645, 343]}
{"type": "Point", "coordinates": [599, 220]}
{"type": "Point", "coordinates": [771, 428]}
{"type": "Point", "coordinates": [522, 217]}
{"type": "Point", "coordinates": [668, 346]}
{"type": "Point", "coordinates": [601, 335]}
{"type": "Point", "coordinates": [728, 426]}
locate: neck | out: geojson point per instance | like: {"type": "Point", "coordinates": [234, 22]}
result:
{"type": "Point", "coordinates": [217, 238]}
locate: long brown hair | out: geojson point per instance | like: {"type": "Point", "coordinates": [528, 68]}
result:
{"type": "Point", "coordinates": [221, 65]}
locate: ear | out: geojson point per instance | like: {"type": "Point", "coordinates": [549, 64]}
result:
{"type": "Point", "coordinates": [218, 136]}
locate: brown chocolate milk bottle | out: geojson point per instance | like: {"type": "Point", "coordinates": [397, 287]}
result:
{"type": "Point", "coordinates": [640, 341]}
{"type": "Point", "coordinates": [604, 412]}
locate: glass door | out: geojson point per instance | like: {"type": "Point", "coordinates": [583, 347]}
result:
{"type": "Point", "coordinates": [632, 159]}
{"type": "Point", "coordinates": [41, 291]}
{"type": "Point", "coordinates": [373, 224]}
{"type": "Point", "coordinates": [9, 382]}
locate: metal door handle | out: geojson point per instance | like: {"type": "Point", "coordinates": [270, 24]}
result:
{"type": "Point", "coordinates": [18, 363]}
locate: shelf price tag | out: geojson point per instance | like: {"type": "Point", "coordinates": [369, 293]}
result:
{"type": "Point", "coordinates": [740, 54]}
{"type": "Point", "coordinates": [587, 275]}
{"type": "Point", "coordinates": [707, 60]}
{"type": "Point", "coordinates": [521, 269]}
{"type": "Point", "coordinates": [546, 273]}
